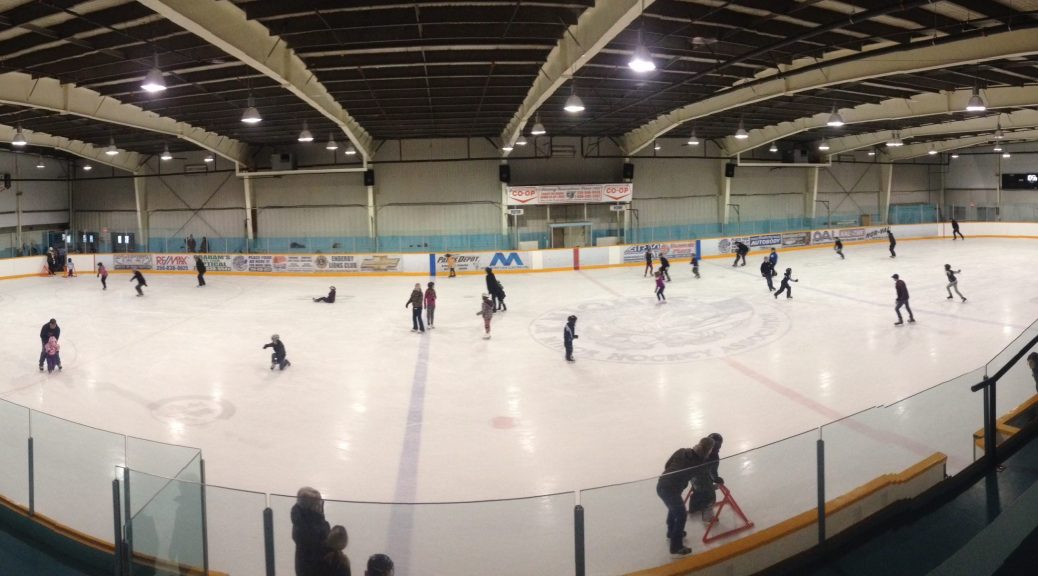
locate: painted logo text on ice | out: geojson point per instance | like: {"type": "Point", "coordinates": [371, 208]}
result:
{"type": "Point", "coordinates": [637, 331]}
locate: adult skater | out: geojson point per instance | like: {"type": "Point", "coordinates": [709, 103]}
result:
{"type": "Point", "coordinates": [49, 330]}
{"type": "Point", "coordinates": [677, 474]}
{"type": "Point", "coordinates": [838, 246]}
{"type": "Point", "coordinates": [140, 281]}
{"type": "Point", "coordinates": [52, 262]}
{"type": "Point", "coordinates": [773, 258]}
{"type": "Point", "coordinates": [330, 298]}
{"type": "Point", "coordinates": [452, 262]}
{"type": "Point", "coordinates": [569, 334]}
{"type": "Point", "coordinates": [893, 243]}
{"type": "Point", "coordinates": [415, 302]}
{"type": "Point", "coordinates": [70, 269]}
{"type": "Point", "coordinates": [53, 357]}
{"type": "Point", "coordinates": [648, 262]}
{"type": "Point", "coordinates": [200, 268]}
{"type": "Point", "coordinates": [278, 358]}
{"type": "Point", "coordinates": [741, 250]}
{"type": "Point", "coordinates": [430, 304]}
{"type": "Point", "coordinates": [660, 287]}
{"type": "Point", "coordinates": [704, 484]}
{"type": "Point", "coordinates": [784, 286]}
{"type": "Point", "coordinates": [496, 291]}
{"type": "Point", "coordinates": [953, 282]}
{"type": "Point", "coordinates": [102, 273]}
{"type": "Point", "coordinates": [309, 530]}
{"type": "Point", "coordinates": [1032, 363]}
{"type": "Point", "coordinates": [191, 244]}
{"type": "Point", "coordinates": [695, 266]}
{"type": "Point", "coordinates": [767, 270]}
{"type": "Point", "coordinates": [665, 266]}
{"type": "Point", "coordinates": [955, 229]}
{"type": "Point", "coordinates": [379, 565]}
{"type": "Point", "coordinates": [902, 300]}
{"type": "Point", "coordinates": [486, 310]}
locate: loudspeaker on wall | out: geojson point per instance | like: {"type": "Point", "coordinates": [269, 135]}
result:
{"type": "Point", "coordinates": [729, 170]}
{"type": "Point", "coordinates": [369, 177]}
{"type": "Point", "coordinates": [628, 171]}
{"type": "Point", "coordinates": [504, 173]}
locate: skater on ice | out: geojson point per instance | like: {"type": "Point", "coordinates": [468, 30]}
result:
{"type": "Point", "coordinates": [784, 286]}
{"type": "Point", "coordinates": [102, 273]}
{"type": "Point", "coordinates": [569, 334]}
{"type": "Point", "coordinates": [660, 287]}
{"type": "Point", "coordinates": [415, 302]}
{"type": "Point", "coordinates": [767, 270]}
{"type": "Point", "coordinates": [278, 358]}
{"type": "Point", "coordinates": [330, 298]}
{"type": "Point", "coordinates": [53, 357]}
{"type": "Point", "coordinates": [200, 268]}
{"type": "Point", "coordinates": [695, 266]}
{"type": "Point", "coordinates": [648, 262]}
{"type": "Point", "coordinates": [70, 269]}
{"type": "Point", "coordinates": [741, 250]}
{"type": "Point", "coordinates": [496, 291]}
{"type": "Point", "coordinates": [953, 282]}
{"type": "Point", "coordinates": [678, 473]}
{"type": "Point", "coordinates": [955, 229]}
{"type": "Point", "coordinates": [838, 246]}
{"type": "Point", "coordinates": [487, 312]}
{"type": "Point", "coordinates": [48, 331]}
{"type": "Point", "coordinates": [893, 243]}
{"type": "Point", "coordinates": [665, 266]}
{"type": "Point", "coordinates": [430, 304]}
{"type": "Point", "coordinates": [140, 281]}
{"type": "Point", "coordinates": [704, 484]}
{"type": "Point", "coordinates": [452, 262]}
{"type": "Point", "coordinates": [1032, 363]}
{"type": "Point", "coordinates": [902, 300]}
{"type": "Point", "coordinates": [773, 258]}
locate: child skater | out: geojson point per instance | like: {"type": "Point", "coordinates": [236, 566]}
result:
{"type": "Point", "coordinates": [330, 298]}
{"type": "Point", "coordinates": [660, 286]}
{"type": "Point", "coordinates": [430, 304]}
{"type": "Point", "coordinates": [695, 266]}
{"type": "Point", "coordinates": [838, 246]}
{"type": "Point", "coordinates": [648, 262]}
{"type": "Point", "coordinates": [953, 282]}
{"type": "Point", "coordinates": [70, 269]}
{"type": "Point", "coordinates": [451, 263]}
{"type": "Point", "coordinates": [487, 312]}
{"type": "Point", "coordinates": [102, 273]}
{"type": "Point", "coordinates": [665, 266]}
{"type": "Point", "coordinates": [53, 356]}
{"type": "Point", "coordinates": [278, 358]}
{"type": "Point", "coordinates": [140, 281]}
{"type": "Point", "coordinates": [785, 284]}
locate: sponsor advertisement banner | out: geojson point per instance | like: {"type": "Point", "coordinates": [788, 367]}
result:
{"type": "Point", "coordinates": [293, 264]}
{"type": "Point", "coordinates": [727, 245]}
{"type": "Point", "coordinates": [177, 262]}
{"type": "Point", "coordinates": [570, 194]}
{"type": "Point", "coordinates": [481, 260]}
{"type": "Point", "coordinates": [791, 239]}
{"type": "Point", "coordinates": [255, 262]}
{"type": "Point", "coordinates": [128, 261]}
{"type": "Point", "coordinates": [219, 262]}
{"type": "Point", "coordinates": [672, 250]}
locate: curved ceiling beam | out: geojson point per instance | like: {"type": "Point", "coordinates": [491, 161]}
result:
{"type": "Point", "coordinates": [913, 59]}
{"type": "Point", "coordinates": [50, 94]}
{"type": "Point", "coordinates": [923, 149]}
{"type": "Point", "coordinates": [128, 161]}
{"type": "Point", "coordinates": [918, 106]}
{"type": "Point", "coordinates": [596, 27]}
{"type": "Point", "coordinates": [226, 27]}
{"type": "Point", "coordinates": [1012, 121]}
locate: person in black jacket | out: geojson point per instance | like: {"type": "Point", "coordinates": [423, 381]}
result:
{"type": "Point", "coordinates": [569, 334]}
{"type": "Point", "coordinates": [648, 262]}
{"type": "Point", "coordinates": [52, 261]}
{"type": "Point", "coordinates": [955, 229]}
{"type": "Point", "coordinates": [200, 268]}
{"type": "Point", "coordinates": [496, 291]}
{"type": "Point", "coordinates": [334, 562]}
{"type": "Point", "coordinates": [677, 474]}
{"type": "Point", "coordinates": [893, 243]}
{"type": "Point", "coordinates": [49, 329]}
{"type": "Point", "coordinates": [741, 250]}
{"type": "Point", "coordinates": [838, 246]}
{"type": "Point", "coordinates": [278, 358]}
{"type": "Point", "coordinates": [902, 300]}
{"type": "Point", "coordinates": [704, 484]}
{"type": "Point", "coordinates": [665, 267]}
{"type": "Point", "coordinates": [309, 530]}
{"type": "Point", "coordinates": [1032, 363]}
{"type": "Point", "coordinates": [767, 270]}
{"type": "Point", "coordinates": [140, 281]}
{"type": "Point", "coordinates": [784, 286]}
{"type": "Point", "coordinates": [330, 298]}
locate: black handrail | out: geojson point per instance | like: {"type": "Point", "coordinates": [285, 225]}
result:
{"type": "Point", "coordinates": [989, 386]}
{"type": "Point", "coordinates": [1002, 372]}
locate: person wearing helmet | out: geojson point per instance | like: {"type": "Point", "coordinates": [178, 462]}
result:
{"type": "Point", "coordinates": [330, 298]}
{"type": "Point", "coordinates": [953, 282]}
{"type": "Point", "coordinates": [786, 279]}
{"type": "Point", "coordinates": [569, 334]}
{"type": "Point", "coordinates": [704, 483]}
{"type": "Point", "coordinates": [278, 358]}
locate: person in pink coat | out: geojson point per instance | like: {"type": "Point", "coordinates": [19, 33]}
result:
{"type": "Point", "coordinates": [53, 350]}
{"type": "Point", "coordinates": [660, 287]}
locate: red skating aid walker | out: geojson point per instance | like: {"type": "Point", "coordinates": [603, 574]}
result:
{"type": "Point", "coordinates": [726, 500]}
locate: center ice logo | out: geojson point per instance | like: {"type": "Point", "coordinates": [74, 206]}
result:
{"type": "Point", "coordinates": [635, 331]}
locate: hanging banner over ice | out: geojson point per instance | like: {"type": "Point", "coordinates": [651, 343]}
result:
{"type": "Point", "coordinates": [570, 194]}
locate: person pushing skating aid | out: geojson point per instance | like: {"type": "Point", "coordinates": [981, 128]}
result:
{"type": "Point", "coordinates": [279, 357]}
{"type": "Point", "coordinates": [678, 473]}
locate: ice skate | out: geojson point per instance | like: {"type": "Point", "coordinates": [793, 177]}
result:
{"type": "Point", "coordinates": [272, 365]}
{"type": "Point", "coordinates": [911, 320]}
{"type": "Point", "coordinates": [486, 336]}
{"type": "Point", "coordinates": [679, 552]}
{"type": "Point", "coordinates": [41, 367]}
{"type": "Point", "coordinates": [59, 367]}
{"type": "Point", "coordinates": [949, 297]}
{"type": "Point", "coordinates": [963, 298]}
{"type": "Point", "coordinates": [898, 323]}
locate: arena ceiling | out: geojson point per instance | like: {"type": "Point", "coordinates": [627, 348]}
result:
{"type": "Point", "coordinates": [71, 70]}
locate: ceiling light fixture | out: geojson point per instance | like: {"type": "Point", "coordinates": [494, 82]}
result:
{"type": "Point", "coordinates": [39, 163]}
{"type": "Point", "coordinates": [332, 144]}
{"type": "Point", "coordinates": [954, 156]}
{"type": "Point", "coordinates": [657, 145]}
{"type": "Point", "coordinates": [773, 149]}
{"type": "Point", "coordinates": [895, 141]}
{"type": "Point", "coordinates": [111, 150]}
{"type": "Point", "coordinates": [165, 153]}
{"type": "Point", "coordinates": [87, 167]}
{"type": "Point", "coordinates": [573, 104]}
{"type": "Point", "coordinates": [641, 60]}
{"type": "Point", "coordinates": [305, 135]}
{"type": "Point", "coordinates": [692, 140]}
{"type": "Point", "coordinates": [521, 141]}
{"type": "Point", "coordinates": [507, 148]}
{"type": "Point", "coordinates": [19, 138]}
{"type": "Point", "coordinates": [1007, 155]}
{"type": "Point", "coordinates": [931, 152]}
{"type": "Point", "coordinates": [209, 159]}
{"type": "Point", "coordinates": [741, 133]}
{"type": "Point", "coordinates": [153, 80]}
{"type": "Point", "coordinates": [823, 146]}
{"type": "Point", "coordinates": [835, 120]}
{"type": "Point", "coordinates": [998, 147]}
{"type": "Point", "coordinates": [350, 149]}
{"type": "Point", "coordinates": [538, 128]}
{"type": "Point", "coordinates": [976, 103]}
{"type": "Point", "coordinates": [251, 115]}
{"type": "Point", "coordinates": [872, 152]}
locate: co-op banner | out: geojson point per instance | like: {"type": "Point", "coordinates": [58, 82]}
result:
{"type": "Point", "coordinates": [570, 194]}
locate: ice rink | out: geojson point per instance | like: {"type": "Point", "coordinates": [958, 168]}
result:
{"type": "Point", "coordinates": [371, 411]}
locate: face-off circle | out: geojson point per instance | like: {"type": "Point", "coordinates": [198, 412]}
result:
{"type": "Point", "coordinates": [639, 331]}
{"type": "Point", "coordinates": [191, 410]}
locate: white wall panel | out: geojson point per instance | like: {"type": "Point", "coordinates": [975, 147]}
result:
{"type": "Point", "coordinates": [95, 221]}
{"type": "Point", "coordinates": [210, 223]}
{"type": "Point", "coordinates": [193, 191]}
{"type": "Point", "coordinates": [103, 194]}
{"type": "Point", "coordinates": [442, 219]}
{"type": "Point", "coordinates": [463, 181]}
{"type": "Point", "coordinates": [303, 221]}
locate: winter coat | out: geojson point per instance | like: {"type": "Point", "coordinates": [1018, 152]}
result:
{"type": "Point", "coordinates": [200, 266]}
{"type": "Point", "coordinates": [569, 333]}
{"type": "Point", "coordinates": [309, 532]}
{"type": "Point", "coordinates": [52, 347]}
{"type": "Point", "coordinates": [278, 346]}
{"type": "Point", "coordinates": [415, 300]}
{"type": "Point", "coordinates": [773, 258]}
{"type": "Point", "coordinates": [139, 278]}
{"type": "Point", "coordinates": [487, 310]}
{"type": "Point", "coordinates": [902, 290]}
{"type": "Point", "coordinates": [102, 272]}
{"type": "Point", "coordinates": [333, 564]}
{"type": "Point", "coordinates": [951, 274]}
{"type": "Point", "coordinates": [839, 244]}
{"type": "Point", "coordinates": [680, 469]}
{"type": "Point", "coordinates": [331, 296]}
{"type": "Point", "coordinates": [493, 286]}
{"type": "Point", "coordinates": [664, 263]}
{"type": "Point", "coordinates": [893, 242]}
{"type": "Point", "coordinates": [648, 256]}
{"type": "Point", "coordinates": [430, 298]}
{"type": "Point", "coordinates": [741, 248]}
{"type": "Point", "coordinates": [766, 267]}
{"type": "Point", "coordinates": [659, 281]}
{"type": "Point", "coordinates": [47, 332]}
{"type": "Point", "coordinates": [451, 261]}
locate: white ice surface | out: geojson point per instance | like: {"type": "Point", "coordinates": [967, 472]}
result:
{"type": "Point", "coordinates": [369, 411]}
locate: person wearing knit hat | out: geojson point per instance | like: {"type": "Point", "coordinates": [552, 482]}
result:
{"type": "Point", "coordinates": [704, 484]}
{"type": "Point", "coordinates": [309, 530]}
{"type": "Point", "coordinates": [487, 312]}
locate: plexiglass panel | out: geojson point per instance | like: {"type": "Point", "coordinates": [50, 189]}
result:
{"type": "Point", "coordinates": [166, 530]}
{"type": "Point", "coordinates": [14, 452]}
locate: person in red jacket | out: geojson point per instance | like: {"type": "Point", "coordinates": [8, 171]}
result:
{"type": "Point", "coordinates": [902, 300]}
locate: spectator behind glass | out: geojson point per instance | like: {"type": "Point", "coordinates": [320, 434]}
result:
{"type": "Point", "coordinates": [335, 562]}
{"type": "Point", "coordinates": [379, 565]}
{"type": "Point", "coordinates": [309, 530]}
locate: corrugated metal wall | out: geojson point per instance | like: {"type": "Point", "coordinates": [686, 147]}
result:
{"type": "Point", "coordinates": [468, 194]}
{"type": "Point", "coordinates": [327, 205]}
